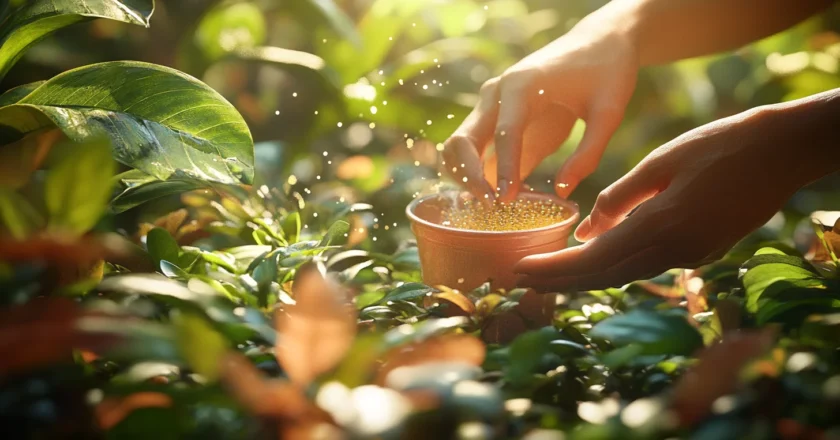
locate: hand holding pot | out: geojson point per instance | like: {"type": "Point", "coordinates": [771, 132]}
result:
{"type": "Point", "coordinates": [696, 196]}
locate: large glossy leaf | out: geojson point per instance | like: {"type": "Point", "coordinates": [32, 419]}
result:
{"type": "Point", "coordinates": [39, 18]}
{"type": "Point", "coordinates": [654, 332]}
{"type": "Point", "coordinates": [160, 121]}
{"type": "Point", "coordinates": [14, 95]}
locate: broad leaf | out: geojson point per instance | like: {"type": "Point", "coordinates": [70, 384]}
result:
{"type": "Point", "coordinates": [656, 333]}
{"type": "Point", "coordinates": [38, 18]}
{"type": "Point", "coordinates": [160, 121]}
{"type": "Point", "coordinates": [407, 292]}
{"type": "Point", "coordinates": [77, 190]}
{"type": "Point", "coordinates": [13, 95]}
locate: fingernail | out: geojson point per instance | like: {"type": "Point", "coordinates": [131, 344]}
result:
{"type": "Point", "coordinates": [584, 229]}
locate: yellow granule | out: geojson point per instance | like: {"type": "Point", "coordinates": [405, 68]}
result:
{"type": "Point", "coordinates": [518, 215]}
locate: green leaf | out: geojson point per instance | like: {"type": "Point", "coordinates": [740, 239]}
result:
{"type": "Point", "coordinates": [766, 269]}
{"type": "Point", "coordinates": [13, 95]}
{"type": "Point", "coordinates": [160, 121]}
{"type": "Point", "coordinates": [406, 292]}
{"type": "Point", "coordinates": [77, 190]}
{"type": "Point", "coordinates": [18, 216]}
{"type": "Point", "coordinates": [229, 27]}
{"type": "Point", "coordinates": [200, 345]}
{"type": "Point", "coordinates": [38, 18]}
{"type": "Point", "coordinates": [338, 20]}
{"type": "Point", "coordinates": [336, 232]}
{"type": "Point", "coordinates": [139, 194]}
{"type": "Point", "coordinates": [526, 353]}
{"type": "Point", "coordinates": [655, 332]}
{"type": "Point", "coordinates": [162, 246]}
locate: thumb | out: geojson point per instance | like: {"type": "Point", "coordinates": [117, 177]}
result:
{"type": "Point", "coordinates": [601, 123]}
{"type": "Point", "coordinates": [618, 200]}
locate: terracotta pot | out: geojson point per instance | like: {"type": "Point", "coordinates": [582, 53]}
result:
{"type": "Point", "coordinates": [465, 259]}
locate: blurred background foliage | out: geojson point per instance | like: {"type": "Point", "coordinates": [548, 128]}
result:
{"type": "Point", "coordinates": [349, 99]}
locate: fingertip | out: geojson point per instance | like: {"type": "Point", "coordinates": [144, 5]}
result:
{"type": "Point", "coordinates": [584, 229]}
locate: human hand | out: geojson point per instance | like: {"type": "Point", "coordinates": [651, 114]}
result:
{"type": "Point", "coordinates": [528, 112]}
{"type": "Point", "coordinates": [696, 196]}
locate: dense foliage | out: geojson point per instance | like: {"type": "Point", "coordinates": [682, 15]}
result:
{"type": "Point", "coordinates": [163, 277]}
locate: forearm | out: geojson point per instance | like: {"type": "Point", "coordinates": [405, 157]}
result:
{"type": "Point", "coordinates": [811, 139]}
{"type": "Point", "coordinates": [668, 30]}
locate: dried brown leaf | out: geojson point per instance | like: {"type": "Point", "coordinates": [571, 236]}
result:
{"type": "Point", "coordinates": [717, 373]}
{"type": "Point", "coordinates": [111, 411]}
{"type": "Point", "coordinates": [42, 332]}
{"type": "Point", "coordinates": [458, 303]}
{"type": "Point", "coordinates": [445, 348]}
{"type": "Point", "coordinates": [317, 331]}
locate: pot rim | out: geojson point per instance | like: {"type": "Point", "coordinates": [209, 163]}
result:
{"type": "Point", "coordinates": [566, 204]}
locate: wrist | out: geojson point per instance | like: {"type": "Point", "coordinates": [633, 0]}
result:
{"type": "Point", "coordinates": [617, 22]}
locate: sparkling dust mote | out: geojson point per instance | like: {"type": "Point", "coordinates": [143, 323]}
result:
{"type": "Point", "coordinates": [518, 215]}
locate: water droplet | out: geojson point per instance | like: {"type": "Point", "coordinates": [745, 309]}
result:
{"type": "Point", "coordinates": [374, 238]}
{"type": "Point", "coordinates": [318, 177]}
{"type": "Point", "coordinates": [372, 125]}
{"type": "Point", "coordinates": [316, 112]}
{"type": "Point", "coordinates": [425, 87]}
{"type": "Point", "coordinates": [373, 109]}
{"type": "Point", "coordinates": [325, 154]}
{"type": "Point", "coordinates": [339, 124]}
{"type": "Point", "coordinates": [277, 112]}
{"type": "Point", "coordinates": [439, 147]}
{"type": "Point", "coordinates": [434, 81]}
{"type": "Point", "coordinates": [314, 214]}
{"type": "Point", "coordinates": [429, 122]}
{"type": "Point", "coordinates": [400, 81]}
{"type": "Point", "coordinates": [542, 91]}
{"type": "Point", "coordinates": [294, 95]}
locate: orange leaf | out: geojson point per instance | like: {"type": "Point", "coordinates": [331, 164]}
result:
{"type": "Point", "coordinates": [445, 348]}
{"type": "Point", "coordinates": [113, 410]}
{"type": "Point", "coordinates": [260, 396]}
{"type": "Point", "coordinates": [317, 331]}
{"type": "Point", "coordinates": [41, 332]}
{"type": "Point", "coordinates": [717, 373]}
{"type": "Point", "coordinates": [458, 303]}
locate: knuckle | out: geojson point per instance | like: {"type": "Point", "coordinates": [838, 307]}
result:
{"type": "Point", "coordinates": [489, 87]}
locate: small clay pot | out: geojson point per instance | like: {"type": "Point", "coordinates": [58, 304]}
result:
{"type": "Point", "coordinates": [465, 259]}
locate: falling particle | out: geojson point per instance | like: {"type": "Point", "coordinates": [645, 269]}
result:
{"type": "Point", "coordinates": [417, 163]}
{"type": "Point", "coordinates": [502, 133]}
{"type": "Point", "coordinates": [345, 235]}
{"type": "Point", "coordinates": [373, 110]}
{"type": "Point", "coordinates": [316, 112]}
{"type": "Point", "coordinates": [487, 196]}
{"type": "Point", "coordinates": [386, 102]}
{"type": "Point", "coordinates": [434, 81]}
{"type": "Point", "coordinates": [439, 147]}
{"type": "Point", "coordinates": [413, 24]}
{"type": "Point", "coordinates": [387, 227]}
{"type": "Point", "coordinates": [563, 185]}
{"type": "Point", "coordinates": [425, 87]}
{"type": "Point", "coordinates": [341, 199]}
{"type": "Point", "coordinates": [305, 226]}
{"type": "Point", "coordinates": [450, 116]}
{"type": "Point", "coordinates": [382, 83]}
{"type": "Point", "coordinates": [329, 162]}
{"type": "Point", "coordinates": [438, 66]}
{"type": "Point", "coordinates": [277, 112]}
{"type": "Point", "coordinates": [454, 169]}
{"type": "Point", "coordinates": [292, 179]}
{"type": "Point", "coordinates": [318, 177]}
{"type": "Point", "coordinates": [339, 124]}
{"type": "Point", "coordinates": [314, 214]}
{"type": "Point", "coordinates": [429, 122]}
{"type": "Point", "coordinates": [440, 174]}
{"type": "Point", "coordinates": [324, 40]}
{"type": "Point", "coordinates": [390, 38]}
{"type": "Point", "coordinates": [548, 181]}
{"type": "Point", "coordinates": [532, 189]}
{"type": "Point", "coordinates": [485, 7]}
{"type": "Point", "coordinates": [294, 95]}
{"type": "Point", "coordinates": [409, 143]}
{"type": "Point", "coordinates": [372, 125]}
{"type": "Point", "coordinates": [325, 154]}
{"type": "Point", "coordinates": [447, 82]}
{"type": "Point", "coordinates": [400, 81]}
{"type": "Point", "coordinates": [376, 219]}
{"type": "Point", "coordinates": [380, 72]}
{"type": "Point", "coordinates": [465, 179]}
{"type": "Point", "coordinates": [461, 280]}
{"type": "Point", "coordinates": [374, 238]}
{"type": "Point", "coordinates": [306, 190]}
{"type": "Point", "coordinates": [463, 165]}
{"type": "Point", "coordinates": [542, 91]}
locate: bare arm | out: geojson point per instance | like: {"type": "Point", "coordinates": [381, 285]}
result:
{"type": "Point", "coordinates": [670, 30]}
